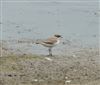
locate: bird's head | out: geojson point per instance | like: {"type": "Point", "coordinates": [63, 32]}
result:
{"type": "Point", "coordinates": [58, 36]}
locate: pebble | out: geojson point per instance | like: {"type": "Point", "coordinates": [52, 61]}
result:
{"type": "Point", "coordinates": [35, 79]}
{"type": "Point", "coordinates": [67, 81]}
{"type": "Point", "coordinates": [49, 59]}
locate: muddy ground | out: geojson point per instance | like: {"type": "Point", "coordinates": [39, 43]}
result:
{"type": "Point", "coordinates": [80, 68]}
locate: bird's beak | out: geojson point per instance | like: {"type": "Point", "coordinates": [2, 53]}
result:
{"type": "Point", "coordinates": [61, 37]}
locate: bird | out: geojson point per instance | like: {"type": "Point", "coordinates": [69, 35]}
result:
{"type": "Point", "coordinates": [50, 42]}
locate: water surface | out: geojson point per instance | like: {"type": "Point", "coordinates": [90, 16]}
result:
{"type": "Point", "coordinates": [75, 20]}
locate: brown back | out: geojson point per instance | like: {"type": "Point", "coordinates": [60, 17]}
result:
{"type": "Point", "coordinates": [51, 40]}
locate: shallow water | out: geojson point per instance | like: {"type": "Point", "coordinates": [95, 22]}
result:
{"type": "Point", "coordinates": [75, 20]}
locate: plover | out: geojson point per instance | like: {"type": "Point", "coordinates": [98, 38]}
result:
{"type": "Point", "coordinates": [50, 42]}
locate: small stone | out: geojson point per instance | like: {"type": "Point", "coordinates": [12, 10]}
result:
{"type": "Point", "coordinates": [67, 81]}
{"type": "Point", "coordinates": [74, 55]}
{"type": "Point", "coordinates": [66, 77]}
{"type": "Point", "coordinates": [49, 59]}
{"type": "Point", "coordinates": [35, 80]}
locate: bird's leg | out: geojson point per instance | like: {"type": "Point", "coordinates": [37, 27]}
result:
{"type": "Point", "coordinates": [50, 52]}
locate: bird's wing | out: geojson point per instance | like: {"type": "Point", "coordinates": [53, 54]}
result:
{"type": "Point", "coordinates": [50, 41]}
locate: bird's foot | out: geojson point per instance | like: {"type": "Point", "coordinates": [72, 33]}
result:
{"type": "Point", "coordinates": [50, 55]}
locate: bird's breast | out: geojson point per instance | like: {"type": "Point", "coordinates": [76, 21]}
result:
{"type": "Point", "coordinates": [58, 41]}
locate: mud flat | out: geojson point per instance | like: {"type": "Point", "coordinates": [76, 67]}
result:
{"type": "Point", "coordinates": [80, 68]}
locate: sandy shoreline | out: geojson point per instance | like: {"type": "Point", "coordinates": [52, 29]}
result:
{"type": "Point", "coordinates": [80, 68]}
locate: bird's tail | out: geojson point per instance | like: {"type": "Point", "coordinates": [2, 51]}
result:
{"type": "Point", "coordinates": [38, 42]}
